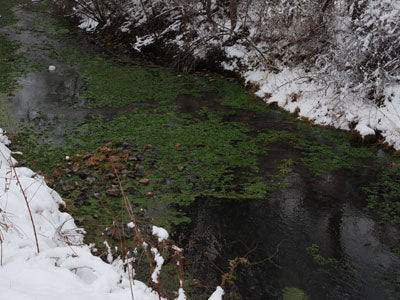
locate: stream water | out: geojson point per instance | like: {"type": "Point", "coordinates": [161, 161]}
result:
{"type": "Point", "coordinates": [274, 233]}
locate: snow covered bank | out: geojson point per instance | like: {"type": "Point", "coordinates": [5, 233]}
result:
{"type": "Point", "coordinates": [298, 92]}
{"type": "Point", "coordinates": [64, 268]}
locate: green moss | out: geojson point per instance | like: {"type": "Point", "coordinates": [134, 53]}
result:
{"type": "Point", "coordinates": [290, 293]}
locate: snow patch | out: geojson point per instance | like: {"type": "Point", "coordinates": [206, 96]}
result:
{"type": "Point", "coordinates": [217, 295]}
{"type": "Point", "coordinates": [159, 262]}
{"type": "Point", "coordinates": [160, 232]}
{"type": "Point", "coordinates": [88, 24]}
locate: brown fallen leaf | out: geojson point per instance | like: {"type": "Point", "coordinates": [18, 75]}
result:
{"type": "Point", "coordinates": [57, 173]}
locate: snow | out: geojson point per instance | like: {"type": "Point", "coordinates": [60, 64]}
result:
{"type": "Point", "coordinates": [364, 129]}
{"type": "Point", "coordinates": [65, 267]}
{"type": "Point", "coordinates": [88, 24]}
{"type": "Point", "coordinates": [181, 294]}
{"type": "Point", "coordinates": [217, 295]}
{"type": "Point", "coordinates": [159, 262]}
{"type": "Point", "coordinates": [130, 225]}
{"type": "Point", "coordinates": [160, 232]}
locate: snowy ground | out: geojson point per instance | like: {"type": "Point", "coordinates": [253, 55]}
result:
{"type": "Point", "coordinates": [64, 267]}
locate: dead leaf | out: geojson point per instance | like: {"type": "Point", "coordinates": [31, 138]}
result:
{"type": "Point", "coordinates": [57, 173]}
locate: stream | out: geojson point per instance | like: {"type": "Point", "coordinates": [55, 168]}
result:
{"type": "Point", "coordinates": [312, 232]}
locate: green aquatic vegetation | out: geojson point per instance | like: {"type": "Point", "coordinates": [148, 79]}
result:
{"type": "Point", "coordinates": [291, 293]}
{"type": "Point", "coordinates": [191, 157]}
{"type": "Point", "coordinates": [7, 16]}
{"type": "Point", "coordinates": [110, 84]}
{"type": "Point", "coordinates": [329, 154]}
{"type": "Point", "coordinates": [272, 136]}
{"type": "Point", "coordinates": [314, 251]}
{"type": "Point", "coordinates": [384, 195]}
{"type": "Point", "coordinates": [9, 65]}
{"type": "Point", "coordinates": [117, 85]}
{"type": "Point", "coordinates": [232, 94]}
{"type": "Point", "coordinates": [44, 5]}
{"type": "Point", "coordinates": [53, 27]}
{"type": "Point", "coordinates": [210, 150]}
{"type": "Point", "coordinates": [285, 167]}
{"type": "Point", "coordinates": [320, 157]}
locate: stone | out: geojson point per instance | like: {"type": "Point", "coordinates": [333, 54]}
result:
{"type": "Point", "coordinates": [82, 196]}
{"type": "Point", "coordinates": [97, 196]}
{"type": "Point", "coordinates": [83, 174]}
{"type": "Point", "coordinates": [109, 176]}
{"type": "Point", "coordinates": [90, 180]}
{"type": "Point", "coordinates": [113, 192]}
{"type": "Point", "coordinates": [87, 156]}
{"type": "Point", "coordinates": [131, 175]}
{"type": "Point", "coordinates": [67, 188]}
{"type": "Point", "coordinates": [144, 181]}
{"type": "Point", "coordinates": [132, 191]}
